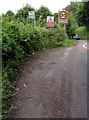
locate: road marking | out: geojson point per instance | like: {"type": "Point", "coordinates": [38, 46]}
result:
{"type": "Point", "coordinates": [85, 45]}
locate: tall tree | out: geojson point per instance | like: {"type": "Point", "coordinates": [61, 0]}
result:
{"type": "Point", "coordinates": [72, 7]}
{"type": "Point", "coordinates": [9, 16]}
{"type": "Point", "coordinates": [83, 15]}
{"type": "Point", "coordinates": [44, 12]}
{"type": "Point", "coordinates": [23, 12]}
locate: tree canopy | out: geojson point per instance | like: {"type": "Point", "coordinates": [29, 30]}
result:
{"type": "Point", "coordinates": [23, 12]}
{"type": "Point", "coordinates": [83, 14]}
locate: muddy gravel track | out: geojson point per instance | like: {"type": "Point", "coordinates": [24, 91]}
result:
{"type": "Point", "coordinates": [53, 84]}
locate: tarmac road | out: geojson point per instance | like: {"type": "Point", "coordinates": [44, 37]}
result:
{"type": "Point", "coordinates": [53, 84]}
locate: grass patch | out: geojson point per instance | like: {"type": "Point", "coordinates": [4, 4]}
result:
{"type": "Point", "coordinates": [69, 42]}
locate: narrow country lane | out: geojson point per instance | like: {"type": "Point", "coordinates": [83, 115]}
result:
{"type": "Point", "coordinates": [53, 84]}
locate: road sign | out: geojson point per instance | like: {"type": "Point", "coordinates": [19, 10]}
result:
{"type": "Point", "coordinates": [50, 21]}
{"type": "Point", "coordinates": [31, 14]}
{"type": "Point", "coordinates": [63, 17]}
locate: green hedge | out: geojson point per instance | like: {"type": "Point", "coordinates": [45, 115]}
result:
{"type": "Point", "coordinates": [83, 33]}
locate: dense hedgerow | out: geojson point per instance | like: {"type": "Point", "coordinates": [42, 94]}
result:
{"type": "Point", "coordinates": [83, 33]}
{"type": "Point", "coordinates": [19, 41]}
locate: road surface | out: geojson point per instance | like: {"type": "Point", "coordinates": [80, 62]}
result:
{"type": "Point", "coordinates": [53, 84]}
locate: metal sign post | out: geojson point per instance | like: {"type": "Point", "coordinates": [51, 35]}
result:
{"type": "Point", "coordinates": [64, 28]}
{"type": "Point", "coordinates": [34, 20]}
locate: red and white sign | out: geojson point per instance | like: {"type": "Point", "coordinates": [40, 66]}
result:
{"type": "Point", "coordinates": [63, 17]}
{"type": "Point", "coordinates": [50, 21]}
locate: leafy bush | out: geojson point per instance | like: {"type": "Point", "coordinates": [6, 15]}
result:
{"type": "Point", "coordinates": [83, 33]}
{"type": "Point", "coordinates": [72, 25]}
{"type": "Point", "coordinates": [12, 54]}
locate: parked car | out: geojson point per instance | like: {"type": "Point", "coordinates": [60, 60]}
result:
{"type": "Point", "coordinates": [76, 37]}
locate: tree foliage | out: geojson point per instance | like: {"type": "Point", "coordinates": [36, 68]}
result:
{"type": "Point", "coordinates": [43, 12]}
{"type": "Point", "coordinates": [23, 12]}
{"type": "Point", "coordinates": [72, 7]}
{"type": "Point", "coordinates": [78, 17]}
{"type": "Point", "coordinates": [83, 15]}
{"type": "Point", "coordinates": [41, 15]}
{"type": "Point", "coordinates": [72, 25]}
{"type": "Point", "coordinates": [9, 16]}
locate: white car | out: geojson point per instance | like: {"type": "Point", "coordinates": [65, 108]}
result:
{"type": "Point", "coordinates": [76, 37]}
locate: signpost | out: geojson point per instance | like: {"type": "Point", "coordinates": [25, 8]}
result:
{"type": "Point", "coordinates": [31, 15]}
{"type": "Point", "coordinates": [50, 21]}
{"type": "Point", "coordinates": [63, 18]}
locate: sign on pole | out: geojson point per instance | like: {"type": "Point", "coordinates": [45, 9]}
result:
{"type": "Point", "coordinates": [50, 21]}
{"type": "Point", "coordinates": [63, 17]}
{"type": "Point", "coordinates": [31, 14]}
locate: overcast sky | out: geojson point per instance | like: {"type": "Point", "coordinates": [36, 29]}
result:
{"type": "Point", "coordinates": [53, 5]}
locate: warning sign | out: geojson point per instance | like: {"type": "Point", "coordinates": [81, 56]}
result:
{"type": "Point", "coordinates": [50, 21]}
{"type": "Point", "coordinates": [63, 17]}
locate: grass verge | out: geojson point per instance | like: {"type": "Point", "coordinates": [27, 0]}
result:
{"type": "Point", "coordinates": [69, 42]}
